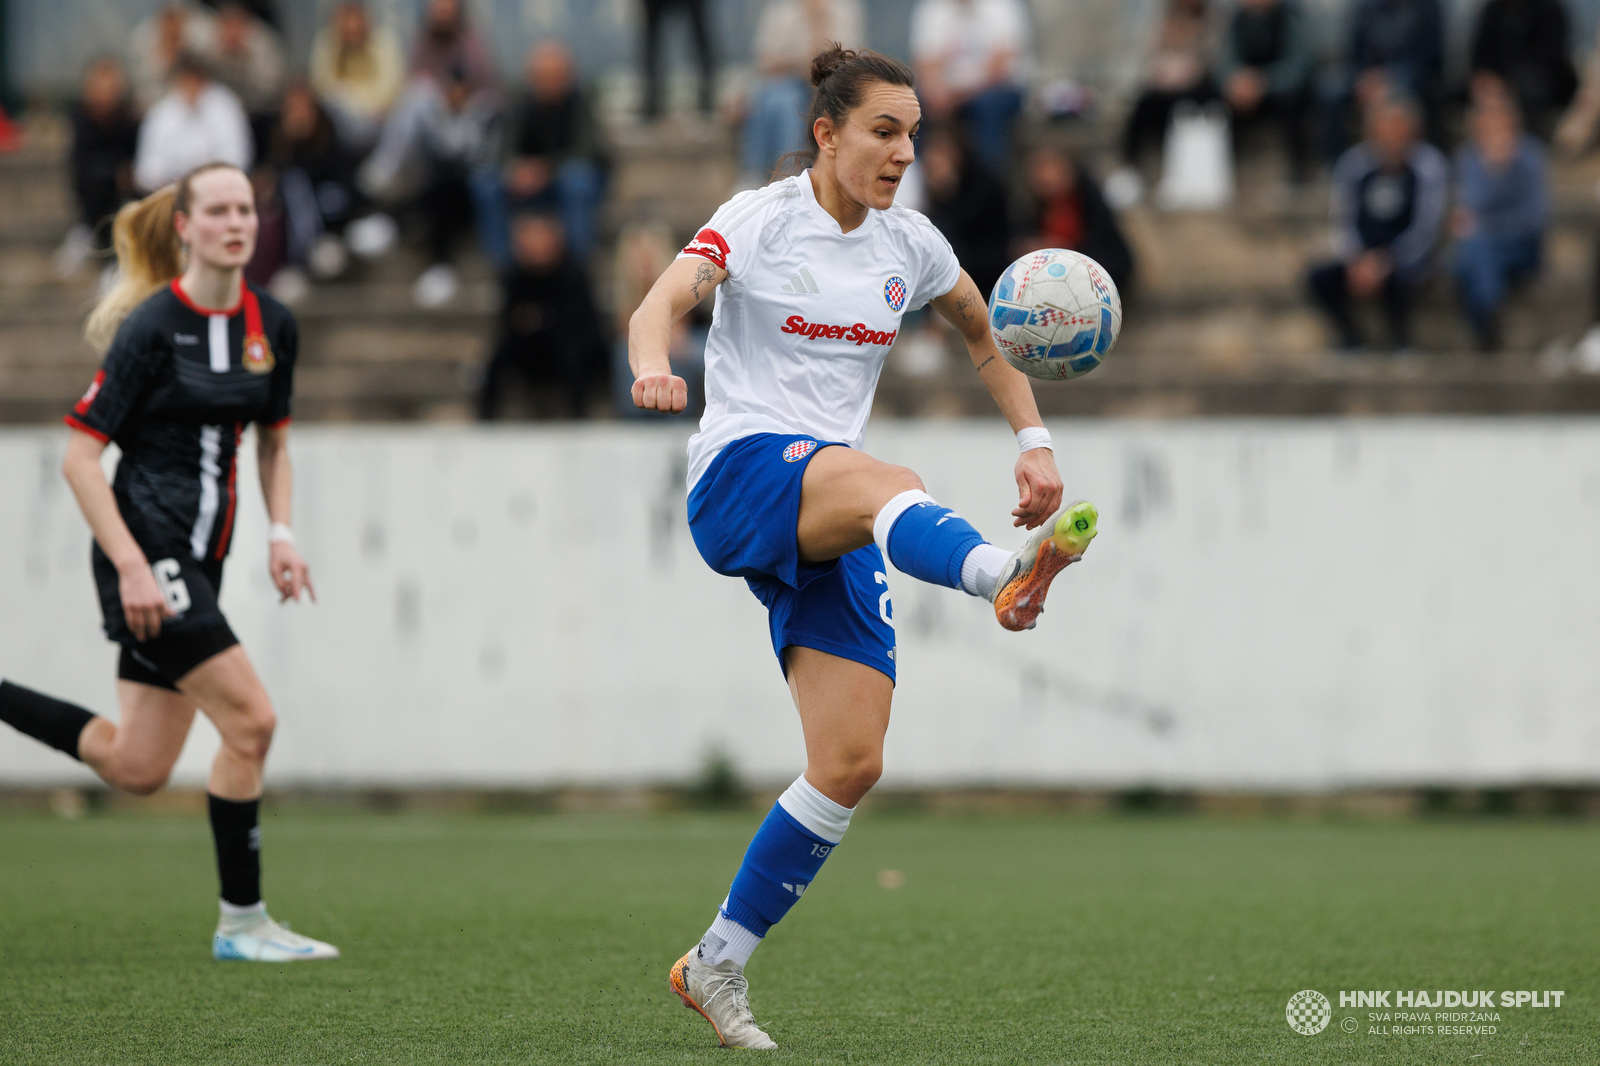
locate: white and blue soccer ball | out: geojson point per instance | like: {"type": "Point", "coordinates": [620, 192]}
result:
{"type": "Point", "coordinates": [1055, 314]}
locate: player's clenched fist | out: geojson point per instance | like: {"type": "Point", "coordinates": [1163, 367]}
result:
{"type": "Point", "coordinates": [661, 392]}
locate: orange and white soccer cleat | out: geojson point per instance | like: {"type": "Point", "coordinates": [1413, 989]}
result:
{"type": "Point", "coordinates": [722, 996]}
{"type": "Point", "coordinates": [1049, 549]}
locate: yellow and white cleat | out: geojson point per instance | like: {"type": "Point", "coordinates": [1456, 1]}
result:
{"type": "Point", "coordinates": [722, 996]}
{"type": "Point", "coordinates": [1049, 549]}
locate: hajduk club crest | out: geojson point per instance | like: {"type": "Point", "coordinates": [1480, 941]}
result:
{"type": "Point", "coordinates": [798, 450]}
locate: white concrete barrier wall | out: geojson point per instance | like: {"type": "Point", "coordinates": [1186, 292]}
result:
{"type": "Point", "coordinates": [1299, 605]}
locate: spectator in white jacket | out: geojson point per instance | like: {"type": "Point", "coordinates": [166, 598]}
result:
{"type": "Point", "coordinates": [198, 121]}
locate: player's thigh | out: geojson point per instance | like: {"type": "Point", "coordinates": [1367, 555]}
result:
{"type": "Point", "coordinates": [843, 705]}
{"type": "Point", "coordinates": [152, 725]}
{"type": "Point", "coordinates": [231, 694]}
{"type": "Point", "coordinates": [842, 492]}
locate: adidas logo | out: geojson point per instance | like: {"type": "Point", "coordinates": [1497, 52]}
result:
{"type": "Point", "coordinates": [802, 282]}
{"type": "Point", "coordinates": [798, 890]}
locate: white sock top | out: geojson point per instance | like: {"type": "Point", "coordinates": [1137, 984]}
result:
{"type": "Point", "coordinates": [233, 910]}
{"type": "Point", "coordinates": [815, 811]}
{"type": "Point", "coordinates": [980, 570]}
{"type": "Point", "coordinates": [727, 939]}
{"type": "Point", "coordinates": [891, 513]}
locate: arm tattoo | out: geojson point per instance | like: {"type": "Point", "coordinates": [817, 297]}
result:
{"type": "Point", "coordinates": [703, 273]}
{"type": "Point", "coordinates": [985, 363]}
{"type": "Point", "coordinates": [964, 306]}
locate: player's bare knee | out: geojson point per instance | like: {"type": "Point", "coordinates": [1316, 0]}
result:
{"type": "Point", "coordinates": [251, 737]}
{"type": "Point", "coordinates": [904, 479]}
{"type": "Point", "coordinates": [143, 780]}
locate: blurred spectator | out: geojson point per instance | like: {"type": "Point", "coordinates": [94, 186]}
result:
{"type": "Point", "coordinates": [643, 252]}
{"type": "Point", "coordinates": [1395, 46]}
{"type": "Point", "coordinates": [970, 58]}
{"type": "Point", "coordinates": [159, 40]}
{"type": "Point", "coordinates": [557, 156]}
{"type": "Point", "coordinates": [655, 12]}
{"type": "Point", "coordinates": [967, 203]}
{"type": "Point", "coordinates": [1524, 43]}
{"type": "Point", "coordinates": [789, 34]}
{"type": "Point", "coordinates": [1502, 209]}
{"type": "Point", "coordinates": [1067, 211]}
{"type": "Point", "coordinates": [449, 47]}
{"type": "Point", "coordinates": [1176, 67]}
{"type": "Point", "coordinates": [246, 57]}
{"type": "Point", "coordinates": [548, 328]}
{"type": "Point", "coordinates": [265, 10]}
{"type": "Point", "coordinates": [272, 231]}
{"type": "Point", "coordinates": [357, 72]}
{"type": "Point", "coordinates": [1265, 72]}
{"type": "Point", "coordinates": [1388, 203]}
{"type": "Point", "coordinates": [1577, 128]}
{"type": "Point", "coordinates": [198, 121]}
{"type": "Point", "coordinates": [316, 181]}
{"type": "Point", "coordinates": [105, 136]}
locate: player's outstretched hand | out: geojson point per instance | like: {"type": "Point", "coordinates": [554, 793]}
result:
{"type": "Point", "coordinates": [1038, 487]}
{"type": "Point", "coordinates": [661, 392]}
{"type": "Point", "coordinates": [290, 574]}
{"type": "Point", "coordinates": [143, 604]}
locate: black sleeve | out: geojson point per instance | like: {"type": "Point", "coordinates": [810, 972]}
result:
{"type": "Point", "coordinates": [285, 349]}
{"type": "Point", "coordinates": [131, 370]}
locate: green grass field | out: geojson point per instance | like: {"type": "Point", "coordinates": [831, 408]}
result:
{"type": "Point", "coordinates": [547, 939]}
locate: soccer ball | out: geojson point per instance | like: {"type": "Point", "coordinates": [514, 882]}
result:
{"type": "Point", "coordinates": [1055, 314]}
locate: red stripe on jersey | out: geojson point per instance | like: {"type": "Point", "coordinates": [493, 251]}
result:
{"type": "Point", "coordinates": [233, 494]}
{"type": "Point", "coordinates": [252, 314]}
{"type": "Point", "coordinates": [281, 423]}
{"type": "Point", "coordinates": [244, 291]}
{"type": "Point", "coordinates": [83, 405]}
{"type": "Point", "coordinates": [708, 244]}
{"type": "Point", "coordinates": [82, 428]}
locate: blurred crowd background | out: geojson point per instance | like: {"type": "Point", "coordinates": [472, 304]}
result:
{"type": "Point", "coordinates": [1311, 206]}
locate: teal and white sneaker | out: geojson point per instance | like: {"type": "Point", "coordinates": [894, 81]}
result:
{"type": "Point", "coordinates": [1049, 549]}
{"type": "Point", "coordinates": [257, 938]}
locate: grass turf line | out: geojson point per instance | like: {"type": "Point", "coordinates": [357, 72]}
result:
{"type": "Point", "coordinates": [1026, 939]}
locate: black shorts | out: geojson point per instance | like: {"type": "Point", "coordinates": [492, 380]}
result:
{"type": "Point", "coordinates": [195, 635]}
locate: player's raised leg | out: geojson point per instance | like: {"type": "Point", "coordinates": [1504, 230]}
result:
{"type": "Point", "coordinates": [844, 714]}
{"type": "Point", "coordinates": [231, 695]}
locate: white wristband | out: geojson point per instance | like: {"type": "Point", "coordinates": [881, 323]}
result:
{"type": "Point", "coordinates": [1033, 437]}
{"type": "Point", "coordinates": [280, 533]}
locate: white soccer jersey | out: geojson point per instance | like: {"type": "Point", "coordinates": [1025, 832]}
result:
{"type": "Point", "coordinates": [807, 313]}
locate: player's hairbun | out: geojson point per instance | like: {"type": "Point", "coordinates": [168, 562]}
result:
{"type": "Point", "coordinates": [830, 60]}
{"type": "Point", "coordinates": [841, 76]}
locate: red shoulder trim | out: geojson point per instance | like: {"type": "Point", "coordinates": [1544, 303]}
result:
{"type": "Point", "coordinates": [708, 244]}
{"type": "Point", "coordinates": [82, 427]}
{"type": "Point", "coordinates": [177, 290]}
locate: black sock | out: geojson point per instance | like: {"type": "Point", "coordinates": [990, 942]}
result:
{"type": "Point", "coordinates": [235, 825]}
{"type": "Point", "coordinates": [43, 717]}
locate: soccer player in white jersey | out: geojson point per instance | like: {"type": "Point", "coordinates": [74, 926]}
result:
{"type": "Point", "coordinates": [812, 275]}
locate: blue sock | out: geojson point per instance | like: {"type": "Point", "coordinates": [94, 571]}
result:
{"type": "Point", "coordinates": [782, 860]}
{"type": "Point", "coordinates": [925, 540]}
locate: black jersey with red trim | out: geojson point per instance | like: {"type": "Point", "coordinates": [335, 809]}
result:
{"type": "Point", "coordinates": [175, 392]}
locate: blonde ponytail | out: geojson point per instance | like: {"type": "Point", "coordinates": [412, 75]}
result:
{"type": "Point", "coordinates": [149, 255]}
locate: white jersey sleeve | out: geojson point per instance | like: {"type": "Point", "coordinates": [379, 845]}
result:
{"type": "Point", "coordinates": [733, 236]}
{"type": "Point", "coordinates": [938, 269]}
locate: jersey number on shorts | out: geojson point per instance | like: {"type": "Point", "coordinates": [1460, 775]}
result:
{"type": "Point", "coordinates": [884, 606]}
{"type": "Point", "coordinates": [172, 586]}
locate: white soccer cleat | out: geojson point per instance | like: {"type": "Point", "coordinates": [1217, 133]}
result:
{"type": "Point", "coordinates": [257, 938]}
{"type": "Point", "coordinates": [722, 996]}
{"type": "Point", "coordinates": [1049, 549]}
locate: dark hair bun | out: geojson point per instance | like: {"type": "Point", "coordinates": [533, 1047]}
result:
{"type": "Point", "coordinates": [830, 60]}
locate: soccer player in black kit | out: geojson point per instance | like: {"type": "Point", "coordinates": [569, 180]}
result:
{"type": "Point", "coordinates": [193, 355]}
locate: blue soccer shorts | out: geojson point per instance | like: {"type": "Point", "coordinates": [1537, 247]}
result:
{"type": "Point", "coordinates": [743, 514]}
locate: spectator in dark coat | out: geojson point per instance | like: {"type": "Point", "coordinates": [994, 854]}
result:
{"type": "Point", "coordinates": [105, 136]}
{"type": "Point", "coordinates": [1388, 204]}
{"type": "Point", "coordinates": [968, 205]}
{"type": "Point", "coordinates": [1265, 72]}
{"type": "Point", "coordinates": [1395, 46]}
{"type": "Point", "coordinates": [557, 154]}
{"type": "Point", "coordinates": [1066, 210]}
{"type": "Point", "coordinates": [316, 180]}
{"type": "Point", "coordinates": [1502, 209]}
{"type": "Point", "coordinates": [1176, 67]}
{"type": "Point", "coordinates": [1525, 44]}
{"type": "Point", "coordinates": [655, 16]}
{"type": "Point", "coordinates": [549, 330]}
